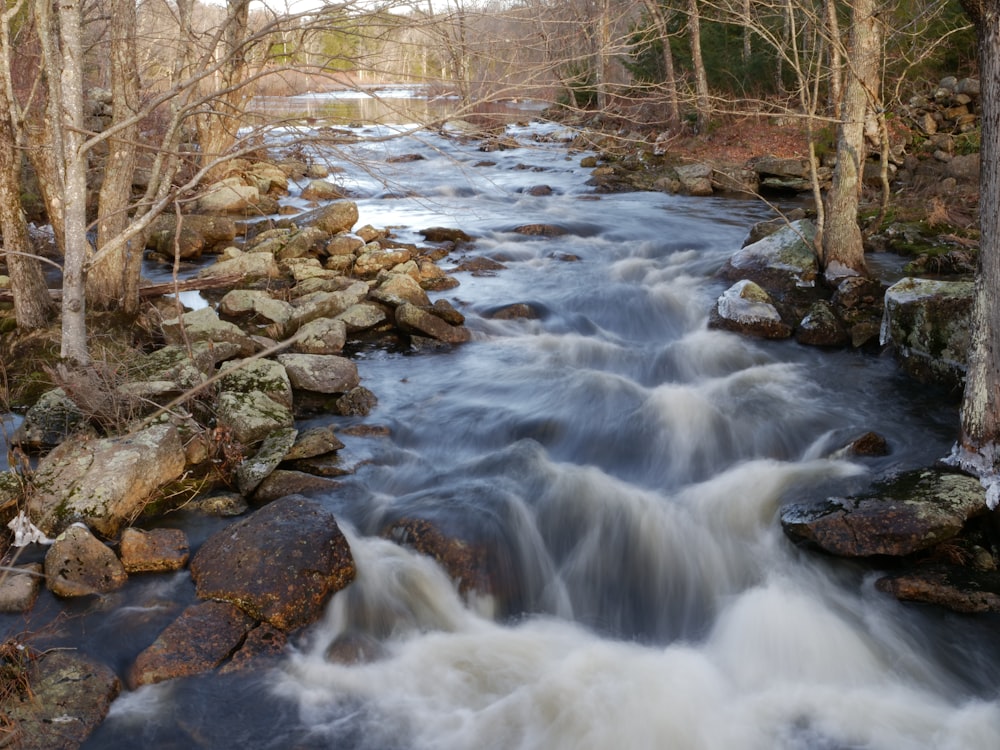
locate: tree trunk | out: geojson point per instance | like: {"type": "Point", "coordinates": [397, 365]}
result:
{"type": "Point", "coordinates": [114, 279]}
{"type": "Point", "coordinates": [700, 77]}
{"type": "Point", "coordinates": [836, 64]}
{"type": "Point", "coordinates": [843, 249]}
{"type": "Point", "coordinates": [659, 18]}
{"type": "Point", "coordinates": [981, 404]}
{"type": "Point", "coordinates": [73, 164]}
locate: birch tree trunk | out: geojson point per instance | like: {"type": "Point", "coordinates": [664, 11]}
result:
{"type": "Point", "coordinates": [843, 249]}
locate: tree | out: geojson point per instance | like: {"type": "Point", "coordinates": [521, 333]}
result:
{"type": "Point", "coordinates": [700, 76]}
{"type": "Point", "coordinates": [979, 448]}
{"type": "Point", "coordinates": [842, 245]}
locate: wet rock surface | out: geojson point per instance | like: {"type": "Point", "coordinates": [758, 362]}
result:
{"type": "Point", "coordinates": [279, 565]}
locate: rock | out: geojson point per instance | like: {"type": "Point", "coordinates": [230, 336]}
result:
{"type": "Point", "coordinates": [415, 320]}
{"type": "Point", "coordinates": [199, 640]}
{"type": "Point", "coordinates": [306, 243]}
{"type": "Point", "coordinates": [515, 311]}
{"type": "Point", "coordinates": [69, 697]}
{"type": "Point", "coordinates": [363, 316]}
{"type": "Point", "coordinates": [279, 565]}
{"type": "Point", "coordinates": [398, 289]}
{"type": "Point", "coordinates": [480, 266]}
{"type": "Point", "coordinates": [447, 312]}
{"type": "Point", "coordinates": [79, 564]}
{"type": "Point", "coordinates": [321, 190]}
{"type": "Point", "coordinates": [321, 336]}
{"type": "Point", "coordinates": [198, 232]}
{"type": "Point", "coordinates": [445, 234]}
{"type": "Point", "coordinates": [464, 563]}
{"type": "Point", "coordinates": [251, 416]}
{"type": "Point", "coordinates": [283, 482]}
{"type": "Point", "coordinates": [869, 444]}
{"type": "Point", "coordinates": [780, 262]}
{"type": "Point", "coordinates": [19, 587]}
{"type": "Point", "coordinates": [262, 647]}
{"type": "Point", "coordinates": [337, 217]}
{"type": "Point", "coordinates": [820, 327]}
{"type": "Point", "coordinates": [746, 308]}
{"type": "Point", "coordinates": [257, 308]}
{"type": "Point", "coordinates": [248, 266]}
{"type": "Point", "coordinates": [344, 244]}
{"type": "Point", "coordinates": [221, 505]}
{"type": "Point", "coordinates": [262, 375]}
{"type": "Point", "coordinates": [270, 179]}
{"type": "Point", "coordinates": [327, 304]}
{"type": "Point", "coordinates": [357, 402]}
{"type": "Point", "coordinates": [229, 195]}
{"type": "Point", "coordinates": [273, 450]}
{"type": "Point", "coordinates": [53, 418]}
{"type": "Point", "coordinates": [372, 259]}
{"type": "Point", "coordinates": [104, 483]}
{"type": "Point", "coordinates": [205, 325]}
{"type": "Point", "coordinates": [950, 586]}
{"type": "Point", "coordinates": [900, 516]}
{"type": "Point", "coordinates": [927, 322]}
{"type": "Point", "coordinates": [314, 442]}
{"type": "Point", "coordinates": [695, 179]}
{"type": "Point", "coordinates": [321, 373]}
{"type": "Point", "coordinates": [153, 551]}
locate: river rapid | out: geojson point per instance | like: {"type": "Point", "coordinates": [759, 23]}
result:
{"type": "Point", "coordinates": [623, 466]}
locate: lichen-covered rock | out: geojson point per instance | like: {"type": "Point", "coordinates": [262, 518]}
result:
{"type": "Point", "coordinates": [320, 373]}
{"type": "Point", "coordinates": [372, 259]}
{"type": "Point", "coordinates": [50, 420]}
{"type": "Point", "coordinates": [398, 289]}
{"type": "Point", "coordinates": [199, 640]}
{"type": "Point", "coordinates": [248, 266]}
{"type": "Point", "coordinates": [104, 483]}
{"type": "Point", "coordinates": [229, 195]}
{"type": "Point", "coordinates": [783, 261]}
{"type": "Point", "coordinates": [79, 564]}
{"type": "Point", "coordinates": [695, 179]}
{"type": "Point", "coordinates": [337, 217]}
{"type": "Point", "coordinates": [69, 697]}
{"type": "Point", "coordinates": [321, 336]}
{"type": "Point", "coordinates": [153, 551]}
{"type": "Point", "coordinates": [927, 321]}
{"type": "Point", "coordinates": [263, 375]}
{"type": "Point", "coordinates": [325, 304]}
{"type": "Point", "coordinates": [205, 325]}
{"type": "Point", "coordinates": [272, 451]}
{"type": "Point", "coordinates": [314, 442]}
{"type": "Point", "coordinates": [250, 416]}
{"type": "Point", "coordinates": [900, 516]}
{"type": "Point", "coordinates": [820, 327]}
{"type": "Point", "coordinates": [279, 565]}
{"type": "Point", "coordinates": [746, 308]}
{"type": "Point", "coordinates": [363, 316]}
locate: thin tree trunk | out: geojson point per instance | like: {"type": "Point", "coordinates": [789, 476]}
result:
{"type": "Point", "coordinates": [836, 63]}
{"type": "Point", "coordinates": [843, 247]}
{"type": "Point", "coordinates": [114, 280]}
{"type": "Point", "coordinates": [700, 76]}
{"type": "Point", "coordinates": [656, 13]}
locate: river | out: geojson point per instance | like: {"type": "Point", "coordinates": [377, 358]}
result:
{"type": "Point", "coordinates": [623, 465]}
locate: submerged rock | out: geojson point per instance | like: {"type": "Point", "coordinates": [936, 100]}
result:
{"type": "Point", "coordinates": [951, 586]}
{"type": "Point", "coordinates": [900, 516]}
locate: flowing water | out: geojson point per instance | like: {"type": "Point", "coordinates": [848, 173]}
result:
{"type": "Point", "coordinates": [622, 467]}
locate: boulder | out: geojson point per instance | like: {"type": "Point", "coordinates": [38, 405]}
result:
{"type": "Point", "coordinates": [780, 262]}
{"type": "Point", "coordinates": [373, 258]}
{"type": "Point", "coordinates": [320, 373]}
{"type": "Point", "coordinates": [695, 179]}
{"type": "Point", "coordinates": [153, 551]}
{"type": "Point", "coordinates": [263, 375]}
{"type": "Point", "coordinates": [248, 266]}
{"type": "Point", "coordinates": [363, 316]}
{"type": "Point", "coordinates": [422, 322]}
{"type": "Point", "coordinates": [282, 482]}
{"type": "Point", "coordinates": [79, 564]}
{"type": "Point", "coordinates": [104, 483]}
{"type": "Point", "coordinates": [198, 232]}
{"type": "Point", "coordinates": [257, 308]}
{"type": "Point", "coordinates": [205, 325]}
{"type": "Point", "coordinates": [68, 697]}
{"type": "Point", "coordinates": [327, 304]}
{"type": "Point", "coordinates": [357, 402]}
{"type": "Point", "coordinates": [398, 289]}
{"type": "Point", "coordinates": [466, 564]}
{"type": "Point", "coordinates": [200, 639]}
{"type": "Point", "coordinates": [951, 586]}
{"type": "Point", "coordinates": [445, 234]}
{"type": "Point", "coordinates": [900, 516]}
{"type": "Point", "coordinates": [321, 190]}
{"type": "Point", "coordinates": [280, 564]}
{"type": "Point", "coordinates": [315, 441]}
{"type": "Point", "coordinates": [820, 327]}
{"type": "Point", "coordinates": [229, 195]}
{"type": "Point", "coordinates": [263, 646]}
{"type": "Point", "coordinates": [746, 308]}
{"type": "Point", "coordinates": [307, 242]}
{"type": "Point", "coordinates": [50, 420]}
{"type": "Point", "coordinates": [321, 336]}
{"type": "Point", "coordinates": [337, 217]}
{"type": "Point", "coordinates": [251, 416]}
{"type": "Point", "coordinates": [927, 322]}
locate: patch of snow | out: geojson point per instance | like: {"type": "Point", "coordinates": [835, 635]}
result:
{"type": "Point", "coordinates": [983, 464]}
{"type": "Point", "coordinates": [733, 305]}
{"type": "Point", "coordinates": [25, 532]}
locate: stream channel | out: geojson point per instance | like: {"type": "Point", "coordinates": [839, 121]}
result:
{"type": "Point", "coordinates": [624, 465]}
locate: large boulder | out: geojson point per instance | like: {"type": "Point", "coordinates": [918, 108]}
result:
{"type": "Point", "coordinates": [339, 216]}
{"type": "Point", "coordinates": [424, 322]}
{"type": "Point", "coordinates": [104, 483]}
{"type": "Point", "coordinates": [50, 420]}
{"type": "Point", "coordinates": [205, 325]}
{"type": "Point", "coordinates": [927, 321]}
{"type": "Point", "coordinates": [230, 195]}
{"type": "Point", "coordinates": [900, 516]}
{"type": "Point", "coordinates": [279, 565]}
{"type": "Point", "coordinates": [248, 266]}
{"type": "Point", "coordinates": [783, 261]}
